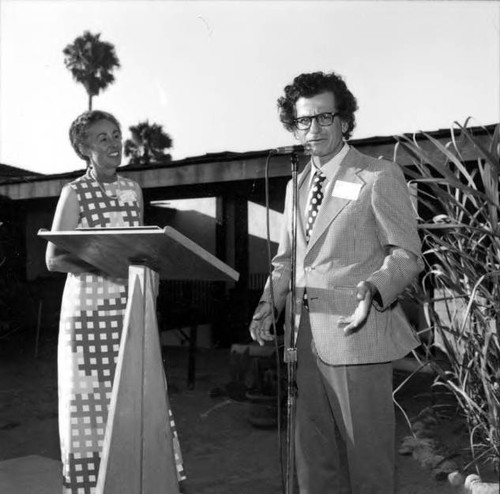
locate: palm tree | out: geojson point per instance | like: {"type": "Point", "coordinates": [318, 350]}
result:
{"type": "Point", "coordinates": [91, 62]}
{"type": "Point", "coordinates": [148, 144]}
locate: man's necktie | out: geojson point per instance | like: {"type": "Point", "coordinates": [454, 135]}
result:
{"type": "Point", "coordinates": [315, 202]}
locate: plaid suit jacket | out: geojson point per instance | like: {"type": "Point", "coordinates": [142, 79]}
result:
{"type": "Point", "coordinates": [350, 243]}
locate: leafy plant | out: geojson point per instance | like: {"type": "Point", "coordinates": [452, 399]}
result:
{"type": "Point", "coordinates": [458, 208]}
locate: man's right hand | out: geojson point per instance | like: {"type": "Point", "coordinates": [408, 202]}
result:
{"type": "Point", "coordinates": [260, 327]}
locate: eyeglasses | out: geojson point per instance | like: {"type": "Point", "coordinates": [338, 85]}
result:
{"type": "Point", "coordinates": [323, 119]}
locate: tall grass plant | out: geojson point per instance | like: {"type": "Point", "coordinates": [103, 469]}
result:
{"type": "Point", "coordinates": [457, 186]}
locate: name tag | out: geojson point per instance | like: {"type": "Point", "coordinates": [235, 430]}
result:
{"type": "Point", "coordinates": [346, 190]}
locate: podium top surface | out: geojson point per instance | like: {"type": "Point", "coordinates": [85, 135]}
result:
{"type": "Point", "coordinates": [171, 254]}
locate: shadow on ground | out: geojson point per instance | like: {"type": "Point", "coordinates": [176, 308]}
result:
{"type": "Point", "coordinates": [223, 453]}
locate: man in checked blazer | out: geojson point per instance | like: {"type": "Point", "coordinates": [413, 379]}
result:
{"type": "Point", "coordinates": [362, 252]}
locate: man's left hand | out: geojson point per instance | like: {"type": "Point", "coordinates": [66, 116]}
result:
{"type": "Point", "coordinates": [365, 293]}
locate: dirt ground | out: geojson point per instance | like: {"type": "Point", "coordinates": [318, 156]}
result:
{"type": "Point", "coordinates": [223, 453]}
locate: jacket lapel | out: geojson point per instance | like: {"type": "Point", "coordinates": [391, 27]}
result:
{"type": "Point", "coordinates": [303, 186]}
{"type": "Point", "coordinates": [332, 205]}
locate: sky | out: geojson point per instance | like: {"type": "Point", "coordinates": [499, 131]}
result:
{"type": "Point", "coordinates": [210, 71]}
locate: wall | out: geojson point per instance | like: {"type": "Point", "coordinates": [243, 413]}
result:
{"type": "Point", "coordinates": [257, 230]}
{"type": "Point", "coordinates": [194, 218]}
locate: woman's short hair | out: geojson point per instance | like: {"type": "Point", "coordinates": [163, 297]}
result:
{"type": "Point", "coordinates": [81, 124]}
{"type": "Point", "coordinates": [312, 84]}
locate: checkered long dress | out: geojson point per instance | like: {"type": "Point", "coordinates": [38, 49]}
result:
{"type": "Point", "coordinates": [89, 337]}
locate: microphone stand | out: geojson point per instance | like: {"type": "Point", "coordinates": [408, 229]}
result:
{"type": "Point", "coordinates": [291, 350]}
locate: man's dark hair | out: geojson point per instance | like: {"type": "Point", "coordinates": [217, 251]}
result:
{"type": "Point", "coordinates": [312, 84]}
{"type": "Point", "coordinates": [80, 126]}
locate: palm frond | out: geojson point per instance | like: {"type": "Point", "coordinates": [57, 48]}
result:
{"type": "Point", "coordinates": [148, 144]}
{"type": "Point", "coordinates": [91, 62]}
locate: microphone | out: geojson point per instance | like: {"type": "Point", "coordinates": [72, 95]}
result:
{"type": "Point", "coordinates": [289, 149]}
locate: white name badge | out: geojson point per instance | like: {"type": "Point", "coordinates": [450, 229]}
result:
{"type": "Point", "coordinates": [346, 190]}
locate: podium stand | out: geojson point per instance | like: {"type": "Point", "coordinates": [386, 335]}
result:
{"type": "Point", "coordinates": [138, 455]}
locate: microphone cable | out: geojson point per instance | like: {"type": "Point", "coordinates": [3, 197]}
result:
{"type": "Point", "coordinates": [274, 322]}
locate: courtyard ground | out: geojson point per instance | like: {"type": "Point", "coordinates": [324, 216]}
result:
{"type": "Point", "coordinates": [223, 453]}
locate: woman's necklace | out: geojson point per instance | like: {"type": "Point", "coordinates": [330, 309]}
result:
{"type": "Point", "coordinates": [104, 191]}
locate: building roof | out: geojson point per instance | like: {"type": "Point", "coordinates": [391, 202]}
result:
{"type": "Point", "coordinates": [376, 141]}
{"type": "Point", "coordinates": [218, 167]}
{"type": "Point", "coordinates": [8, 173]}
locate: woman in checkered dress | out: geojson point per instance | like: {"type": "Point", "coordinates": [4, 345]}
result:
{"type": "Point", "coordinates": [93, 304]}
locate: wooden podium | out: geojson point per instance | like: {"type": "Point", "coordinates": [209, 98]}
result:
{"type": "Point", "coordinates": [138, 455]}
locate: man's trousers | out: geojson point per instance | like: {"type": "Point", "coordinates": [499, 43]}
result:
{"type": "Point", "coordinates": [345, 425]}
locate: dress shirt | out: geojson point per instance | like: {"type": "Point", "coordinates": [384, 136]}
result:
{"type": "Point", "coordinates": [328, 169]}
